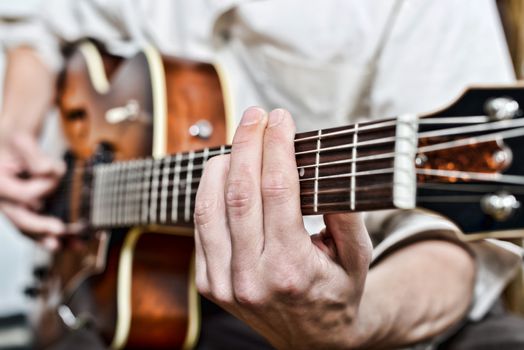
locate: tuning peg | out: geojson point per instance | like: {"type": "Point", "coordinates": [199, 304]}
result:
{"type": "Point", "coordinates": [501, 108]}
{"type": "Point", "coordinates": [499, 206]}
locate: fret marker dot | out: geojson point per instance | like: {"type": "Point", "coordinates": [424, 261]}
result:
{"type": "Point", "coordinates": [301, 172]}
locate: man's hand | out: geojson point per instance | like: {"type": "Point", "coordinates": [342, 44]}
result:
{"type": "Point", "coordinates": [27, 175]}
{"type": "Point", "coordinates": [253, 254]}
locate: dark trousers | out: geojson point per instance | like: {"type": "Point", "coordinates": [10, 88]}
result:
{"type": "Point", "coordinates": [499, 330]}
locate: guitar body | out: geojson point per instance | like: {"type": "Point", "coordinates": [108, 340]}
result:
{"type": "Point", "coordinates": [136, 285]}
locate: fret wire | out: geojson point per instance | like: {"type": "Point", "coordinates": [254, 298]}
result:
{"type": "Point", "coordinates": [204, 159]}
{"type": "Point", "coordinates": [107, 194]}
{"type": "Point", "coordinates": [121, 194]}
{"type": "Point", "coordinates": [354, 167]}
{"type": "Point", "coordinates": [163, 196]}
{"type": "Point", "coordinates": [138, 191]}
{"type": "Point", "coordinates": [154, 191]}
{"type": "Point", "coordinates": [317, 161]}
{"type": "Point", "coordinates": [122, 209]}
{"type": "Point", "coordinates": [187, 215]}
{"type": "Point", "coordinates": [176, 180]}
{"type": "Point", "coordinates": [127, 181]}
{"type": "Point", "coordinates": [124, 187]}
{"type": "Point", "coordinates": [129, 187]}
{"type": "Point", "coordinates": [114, 196]}
{"type": "Point", "coordinates": [103, 194]}
{"type": "Point", "coordinates": [116, 203]}
{"type": "Point", "coordinates": [145, 188]}
{"type": "Point", "coordinates": [95, 199]}
{"type": "Point", "coordinates": [128, 177]}
{"type": "Point", "coordinates": [113, 191]}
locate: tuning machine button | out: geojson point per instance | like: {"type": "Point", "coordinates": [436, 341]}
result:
{"type": "Point", "coordinates": [500, 206]}
{"type": "Point", "coordinates": [501, 108]}
{"type": "Point", "coordinates": [202, 129]}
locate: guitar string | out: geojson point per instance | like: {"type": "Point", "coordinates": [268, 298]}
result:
{"type": "Point", "coordinates": [442, 173]}
{"type": "Point", "coordinates": [468, 187]}
{"type": "Point", "coordinates": [449, 199]}
{"type": "Point", "coordinates": [216, 151]}
{"type": "Point", "coordinates": [328, 191]}
{"type": "Point", "coordinates": [423, 149]}
{"type": "Point", "coordinates": [479, 188]}
{"type": "Point", "coordinates": [456, 143]}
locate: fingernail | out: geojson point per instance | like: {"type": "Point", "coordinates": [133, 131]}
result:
{"type": "Point", "coordinates": [252, 115]}
{"type": "Point", "coordinates": [275, 117]}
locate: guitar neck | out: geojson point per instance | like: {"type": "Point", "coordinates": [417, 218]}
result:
{"type": "Point", "coordinates": [365, 166]}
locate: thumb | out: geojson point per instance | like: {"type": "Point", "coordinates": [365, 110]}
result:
{"type": "Point", "coordinates": [351, 242]}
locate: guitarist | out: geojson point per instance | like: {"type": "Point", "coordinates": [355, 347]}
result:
{"type": "Point", "coordinates": [297, 292]}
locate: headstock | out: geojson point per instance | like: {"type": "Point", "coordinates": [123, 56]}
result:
{"type": "Point", "coordinates": [470, 164]}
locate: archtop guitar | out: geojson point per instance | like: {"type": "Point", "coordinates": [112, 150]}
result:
{"type": "Point", "coordinates": [141, 131]}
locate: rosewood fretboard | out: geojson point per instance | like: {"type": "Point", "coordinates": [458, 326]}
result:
{"type": "Point", "coordinates": [339, 169]}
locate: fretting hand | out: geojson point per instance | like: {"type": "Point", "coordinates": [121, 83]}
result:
{"type": "Point", "coordinates": [253, 254]}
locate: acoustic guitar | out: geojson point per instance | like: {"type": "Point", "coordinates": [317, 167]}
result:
{"type": "Point", "coordinates": [141, 131]}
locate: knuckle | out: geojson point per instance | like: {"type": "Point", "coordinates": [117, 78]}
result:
{"type": "Point", "coordinates": [275, 185]}
{"type": "Point", "coordinates": [248, 294]}
{"type": "Point", "coordinates": [205, 209]}
{"type": "Point", "coordinates": [288, 282]}
{"type": "Point", "coordinates": [241, 140]}
{"type": "Point", "coordinates": [240, 197]}
{"type": "Point", "coordinates": [221, 295]}
{"type": "Point", "coordinates": [202, 285]}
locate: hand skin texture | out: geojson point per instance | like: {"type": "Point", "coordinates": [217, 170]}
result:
{"type": "Point", "coordinates": [28, 93]}
{"type": "Point", "coordinates": [255, 258]}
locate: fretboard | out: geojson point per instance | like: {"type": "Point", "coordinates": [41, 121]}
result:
{"type": "Point", "coordinates": [340, 169]}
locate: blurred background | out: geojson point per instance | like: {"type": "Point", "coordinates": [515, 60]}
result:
{"type": "Point", "coordinates": [18, 254]}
